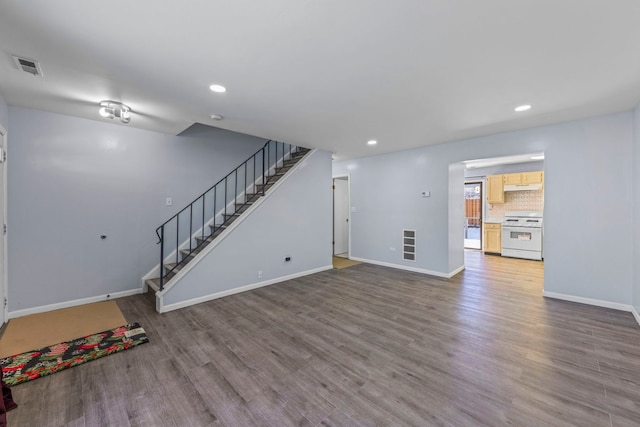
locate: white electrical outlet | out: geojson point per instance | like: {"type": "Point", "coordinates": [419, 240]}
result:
{"type": "Point", "coordinates": [169, 201]}
{"type": "Point", "coordinates": [259, 274]}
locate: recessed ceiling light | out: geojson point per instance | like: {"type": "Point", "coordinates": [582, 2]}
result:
{"type": "Point", "coordinates": [216, 117]}
{"type": "Point", "coordinates": [523, 107]}
{"type": "Point", "coordinates": [218, 88]}
{"type": "Point", "coordinates": [372, 142]}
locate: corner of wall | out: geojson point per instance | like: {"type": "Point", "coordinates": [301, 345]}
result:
{"type": "Point", "coordinates": [635, 288]}
{"type": "Point", "coordinates": [4, 113]}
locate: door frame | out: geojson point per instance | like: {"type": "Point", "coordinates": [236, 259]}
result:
{"type": "Point", "coordinates": [482, 206]}
{"type": "Point", "coordinates": [333, 216]}
{"type": "Point", "coordinates": [4, 316]}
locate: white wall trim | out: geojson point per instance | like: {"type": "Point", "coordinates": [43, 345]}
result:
{"type": "Point", "coordinates": [348, 176]}
{"type": "Point", "coordinates": [588, 301]}
{"type": "Point", "coordinates": [178, 305]}
{"type": "Point", "coordinates": [413, 269]}
{"type": "Point", "coordinates": [635, 314]}
{"type": "Point", "coordinates": [4, 260]}
{"type": "Point", "coordinates": [211, 246]}
{"type": "Point", "coordinates": [456, 271]}
{"type": "Point", "coordinates": [73, 303]}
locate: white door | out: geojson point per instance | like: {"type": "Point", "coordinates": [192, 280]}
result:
{"type": "Point", "coordinates": [341, 216]}
{"type": "Point", "coordinates": [3, 240]}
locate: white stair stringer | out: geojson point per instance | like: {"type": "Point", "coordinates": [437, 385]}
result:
{"type": "Point", "coordinates": [174, 282]}
{"type": "Point", "coordinates": [155, 271]}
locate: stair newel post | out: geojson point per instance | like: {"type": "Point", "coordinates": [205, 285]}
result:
{"type": "Point", "coordinates": [264, 171]}
{"type": "Point", "coordinates": [235, 192]}
{"type": "Point", "coordinates": [161, 256]}
{"type": "Point", "coordinates": [254, 179]}
{"type": "Point", "coordinates": [246, 165]}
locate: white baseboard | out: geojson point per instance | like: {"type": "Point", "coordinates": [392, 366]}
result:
{"type": "Point", "coordinates": [635, 314]}
{"type": "Point", "coordinates": [589, 301]}
{"type": "Point", "coordinates": [73, 303]}
{"type": "Point", "coordinates": [210, 297]}
{"type": "Point", "coordinates": [456, 271]}
{"type": "Point", "coordinates": [409, 268]}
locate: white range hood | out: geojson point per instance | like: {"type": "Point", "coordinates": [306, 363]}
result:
{"type": "Point", "coordinates": [523, 187]}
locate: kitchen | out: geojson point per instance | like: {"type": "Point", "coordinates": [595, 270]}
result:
{"type": "Point", "coordinates": [504, 202]}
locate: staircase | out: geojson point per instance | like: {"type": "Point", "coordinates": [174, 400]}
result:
{"type": "Point", "coordinates": [186, 234]}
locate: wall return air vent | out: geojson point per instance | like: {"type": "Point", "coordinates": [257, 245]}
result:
{"type": "Point", "coordinates": [28, 65]}
{"type": "Point", "coordinates": [409, 245]}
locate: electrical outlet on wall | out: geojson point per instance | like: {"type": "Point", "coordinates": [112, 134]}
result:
{"type": "Point", "coordinates": [259, 274]}
{"type": "Point", "coordinates": [169, 201]}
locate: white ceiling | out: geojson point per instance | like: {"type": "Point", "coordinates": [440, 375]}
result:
{"type": "Point", "coordinates": [326, 73]}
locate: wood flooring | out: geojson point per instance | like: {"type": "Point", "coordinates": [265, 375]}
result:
{"type": "Point", "coordinates": [364, 345]}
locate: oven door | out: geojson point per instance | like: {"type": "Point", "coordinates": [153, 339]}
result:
{"type": "Point", "coordinates": [523, 238]}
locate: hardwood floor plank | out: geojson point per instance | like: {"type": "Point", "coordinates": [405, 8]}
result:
{"type": "Point", "coordinates": [366, 345]}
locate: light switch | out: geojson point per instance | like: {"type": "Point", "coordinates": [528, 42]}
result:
{"type": "Point", "coordinates": [353, 208]}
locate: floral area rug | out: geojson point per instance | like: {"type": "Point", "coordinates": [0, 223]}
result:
{"type": "Point", "coordinates": [49, 360]}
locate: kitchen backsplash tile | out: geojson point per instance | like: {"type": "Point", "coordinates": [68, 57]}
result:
{"type": "Point", "coordinates": [517, 201]}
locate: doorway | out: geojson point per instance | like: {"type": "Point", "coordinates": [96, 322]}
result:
{"type": "Point", "coordinates": [341, 244]}
{"type": "Point", "coordinates": [473, 215]}
{"type": "Point", "coordinates": [3, 216]}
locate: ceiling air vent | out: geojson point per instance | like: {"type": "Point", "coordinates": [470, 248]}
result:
{"type": "Point", "coordinates": [28, 65]}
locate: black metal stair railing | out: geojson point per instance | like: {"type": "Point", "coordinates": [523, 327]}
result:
{"type": "Point", "coordinates": [220, 205]}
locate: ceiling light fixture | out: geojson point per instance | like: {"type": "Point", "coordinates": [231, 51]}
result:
{"type": "Point", "coordinates": [372, 142]}
{"type": "Point", "coordinates": [111, 109]}
{"type": "Point", "coordinates": [523, 108]}
{"type": "Point", "coordinates": [218, 88]}
{"type": "Point", "coordinates": [216, 117]}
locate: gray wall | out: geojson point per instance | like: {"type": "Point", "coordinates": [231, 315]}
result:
{"type": "Point", "coordinates": [71, 180]}
{"type": "Point", "coordinates": [587, 241]}
{"type": "Point", "coordinates": [502, 169]}
{"type": "Point", "coordinates": [636, 208]}
{"type": "Point", "coordinates": [295, 221]}
{"type": "Point", "coordinates": [4, 114]}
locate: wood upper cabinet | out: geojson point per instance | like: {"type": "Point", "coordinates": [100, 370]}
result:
{"type": "Point", "coordinates": [532, 177]}
{"type": "Point", "coordinates": [492, 237]}
{"type": "Point", "coordinates": [512, 178]}
{"type": "Point", "coordinates": [495, 189]}
{"type": "Point", "coordinates": [536, 177]}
